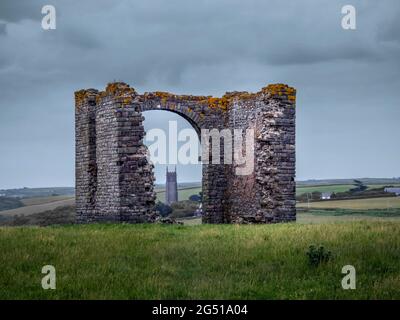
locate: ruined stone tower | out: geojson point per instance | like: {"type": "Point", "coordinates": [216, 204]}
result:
{"type": "Point", "coordinates": [114, 178]}
{"type": "Point", "coordinates": [171, 187]}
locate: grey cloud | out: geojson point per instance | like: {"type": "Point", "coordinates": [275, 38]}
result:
{"type": "Point", "coordinates": [3, 28]}
{"type": "Point", "coordinates": [316, 55]}
{"type": "Point", "coordinates": [70, 36]}
{"type": "Point", "coordinates": [14, 11]}
{"type": "Point", "coordinates": [390, 32]}
{"type": "Point", "coordinates": [202, 47]}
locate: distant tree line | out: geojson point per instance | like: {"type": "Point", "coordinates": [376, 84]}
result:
{"type": "Point", "coordinates": [180, 209]}
{"type": "Point", "coordinates": [360, 191]}
{"type": "Point", "coordinates": [8, 203]}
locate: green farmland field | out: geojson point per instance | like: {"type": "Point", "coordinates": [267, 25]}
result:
{"type": "Point", "coordinates": [183, 194]}
{"type": "Point", "coordinates": [200, 262]}
{"type": "Point", "coordinates": [356, 204]}
{"type": "Point", "coordinates": [334, 188]}
{"type": "Point", "coordinates": [328, 188]}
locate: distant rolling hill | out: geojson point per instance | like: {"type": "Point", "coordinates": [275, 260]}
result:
{"type": "Point", "coordinates": [37, 192]}
{"type": "Point", "coordinates": [33, 205]}
{"type": "Point", "coordinates": [37, 200]}
{"type": "Point", "coordinates": [40, 205]}
{"type": "Point", "coordinates": [383, 181]}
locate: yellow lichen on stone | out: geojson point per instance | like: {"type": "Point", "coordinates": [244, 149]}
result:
{"type": "Point", "coordinates": [275, 89]}
{"type": "Point", "coordinates": [100, 96]}
{"type": "Point", "coordinates": [220, 103]}
{"type": "Point", "coordinates": [281, 90]}
{"type": "Point", "coordinates": [211, 102]}
{"type": "Point", "coordinates": [240, 95]}
{"type": "Point", "coordinates": [164, 96]}
{"type": "Point", "coordinates": [126, 100]}
{"type": "Point", "coordinates": [80, 97]}
{"type": "Point", "coordinates": [112, 88]}
{"type": "Point", "coordinates": [291, 91]}
{"type": "Point", "coordinates": [119, 88]}
{"type": "Point", "coordinates": [120, 91]}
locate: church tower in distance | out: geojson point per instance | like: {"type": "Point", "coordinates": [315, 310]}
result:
{"type": "Point", "coordinates": [171, 185]}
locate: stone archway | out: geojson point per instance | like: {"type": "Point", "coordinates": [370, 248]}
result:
{"type": "Point", "coordinates": [175, 142]}
{"type": "Point", "coordinates": [114, 180]}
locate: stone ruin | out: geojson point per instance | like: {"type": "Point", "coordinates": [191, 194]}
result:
{"type": "Point", "coordinates": [114, 177]}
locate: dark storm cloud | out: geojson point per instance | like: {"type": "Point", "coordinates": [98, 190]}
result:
{"type": "Point", "coordinates": [14, 11]}
{"type": "Point", "coordinates": [200, 47]}
{"type": "Point", "coordinates": [3, 29]}
{"type": "Point", "coordinates": [391, 30]}
{"type": "Point", "coordinates": [316, 55]}
{"type": "Point", "coordinates": [73, 37]}
{"type": "Point", "coordinates": [142, 40]}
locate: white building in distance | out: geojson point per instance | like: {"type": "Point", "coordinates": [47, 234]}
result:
{"type": "Point", "coordinates": [396, 191]}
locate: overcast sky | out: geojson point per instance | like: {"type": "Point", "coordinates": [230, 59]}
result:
{"type": "Point", "coordinates": [348, 81]}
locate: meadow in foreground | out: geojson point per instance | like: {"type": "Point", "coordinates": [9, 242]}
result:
{"type": "Point", "coordinates": [108, 261]}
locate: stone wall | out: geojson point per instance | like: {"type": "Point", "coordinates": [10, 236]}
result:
{"type": "Point", "coordinates": [85, 154]}
{"type": "Point", "coordinates": [114, 178]}
{"type": "Point", "coordinates": [268, 194]}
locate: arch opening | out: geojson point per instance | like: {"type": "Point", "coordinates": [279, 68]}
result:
{"type": "Point", "coordinates": [169, 135]}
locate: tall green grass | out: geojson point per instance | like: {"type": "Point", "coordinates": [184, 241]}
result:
{"type": "Point", "coordinates": [200, 262]}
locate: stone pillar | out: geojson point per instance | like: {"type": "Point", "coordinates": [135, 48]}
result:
{"type": "Point", "coordinates": [266, 195]}
{"type": "Point", "coordinates": [214, 181]}
{"type": "Point", "coordinates": [136, 178]}
{"type": "Point", "coordinates": [125, 176]}
{"type": "Point", "coordinates": [85, 154]}
{"type": "Point", "coordinates": [213, 186]}
{"type": "Point", "coordinates": [275, 154]}
{"type": "Point", "coordinates": [242, 191]}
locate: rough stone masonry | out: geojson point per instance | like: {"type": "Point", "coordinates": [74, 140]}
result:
{"type": "Point", "coordinates": [115, 180]}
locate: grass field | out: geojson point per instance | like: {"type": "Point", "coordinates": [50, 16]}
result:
{"type": "Point", "coordinates": [322, 216]}
{"type": "Point", "coordinates": [316, 217]}
{"type": "Point", "coordinates": [183, 194]}
{"type": "Point", "coordinates": [357, 204]}
{"type": "Point", "coordinates": [200, 262]}
{"type": "Point", "coordinates": [334, 188]}
{"type": "Point", "coordinates": [43, 200]}
{"type": "Point", "coordinates": [328, 188]}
